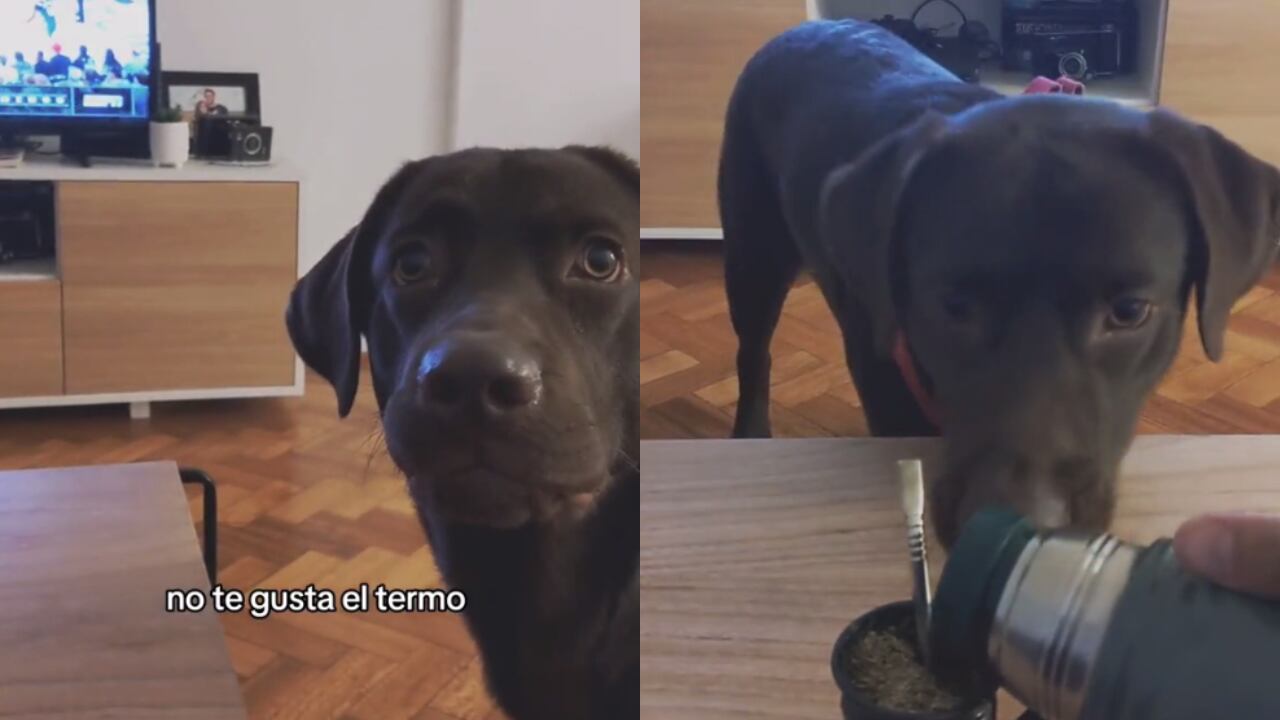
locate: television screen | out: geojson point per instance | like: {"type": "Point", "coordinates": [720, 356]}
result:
{"type": "Point", "coordinates": [68, 59]}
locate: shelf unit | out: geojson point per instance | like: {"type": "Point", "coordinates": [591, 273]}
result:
{"type": "Point", "coordinates": [29, 270]}
{"type": "Point", "coordinates": [1140, 89]}
{"type": "Point", "coordinates": [168, 284]}
{"type": "Point", "coordinates": [1210, 61]}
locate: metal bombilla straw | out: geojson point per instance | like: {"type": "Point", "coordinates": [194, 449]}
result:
{"type": "Point", "coordinates": [911, 481]}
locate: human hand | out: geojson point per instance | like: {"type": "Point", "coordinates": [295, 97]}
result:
{"type": "Point", "coordinates": [1240, 551]}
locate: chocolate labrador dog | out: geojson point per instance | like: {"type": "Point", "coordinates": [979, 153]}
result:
{"type": "Point", "coordinates": [1010, 273]}
{"type": "Point", "coordinates": [498, 293]}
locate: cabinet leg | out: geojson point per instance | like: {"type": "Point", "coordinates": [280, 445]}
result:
{"type": "Point", "coordinates": [139, 411]}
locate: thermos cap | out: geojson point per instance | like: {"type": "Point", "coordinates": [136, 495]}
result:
{"type": "Point", "coordinates": [973, 579]}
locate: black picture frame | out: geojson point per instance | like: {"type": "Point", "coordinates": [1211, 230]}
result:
{"type": "Point", "coordinates": [243, 86]}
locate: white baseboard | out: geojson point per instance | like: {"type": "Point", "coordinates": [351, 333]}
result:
{"type": "Point", "coordinates": [150, 396]}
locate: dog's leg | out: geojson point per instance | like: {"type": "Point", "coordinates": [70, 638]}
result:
{"type": "Point", "coordinates": [757, 288]}
{"type": "Point", "coordinates": [761, 262]}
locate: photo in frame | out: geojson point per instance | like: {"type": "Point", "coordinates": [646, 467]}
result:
{"type": "Point", "coordinates": [211, 94]}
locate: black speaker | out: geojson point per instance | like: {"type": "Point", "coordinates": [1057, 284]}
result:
{"type": "Point", "coordinates": [233, 137]}
{"type": "Point", "coordinates": [251, 143]}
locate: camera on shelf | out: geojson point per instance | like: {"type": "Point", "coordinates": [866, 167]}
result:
{"type": "Point", "coordinates": [232, 138]}
{"type": "Point", "coordinates": [1081, 39]}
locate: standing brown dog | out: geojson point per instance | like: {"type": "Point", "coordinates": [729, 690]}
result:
{"type": "Point", "coordinates": [1010, 273]}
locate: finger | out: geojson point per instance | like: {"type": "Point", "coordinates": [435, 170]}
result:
{"type": "Point", "coordinates": [1240, 551]}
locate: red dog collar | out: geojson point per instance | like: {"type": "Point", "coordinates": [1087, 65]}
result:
{"type": "Point", "coordinates": [901, 350]}
{"type": "Point", "coordinates": [911, 376]}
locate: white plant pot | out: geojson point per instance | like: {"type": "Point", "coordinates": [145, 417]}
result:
{"type": "Point", "coordinates": [170, 144]}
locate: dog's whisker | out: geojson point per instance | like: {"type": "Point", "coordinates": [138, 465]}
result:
{"type": "Point", "coordinates": [630, 461]}
{"type": "Point", "coordinates": [376, 444]}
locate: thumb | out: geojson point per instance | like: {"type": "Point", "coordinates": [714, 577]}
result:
{"type": "Point", "coordinates": [1240, 551]}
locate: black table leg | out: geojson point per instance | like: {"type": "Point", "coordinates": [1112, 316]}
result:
{"type": "Point", "coordinates": [209, 494]}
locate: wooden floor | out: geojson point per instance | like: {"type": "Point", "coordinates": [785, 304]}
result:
{"type": "Point", "coordinates": [304, 498]}
{"type": "Point", "coordinates": [689, 384]}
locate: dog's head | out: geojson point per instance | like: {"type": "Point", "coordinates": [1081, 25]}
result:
{"type": "Point", "coordinates": [1038, 256]}
{"type": "Point", "coordinates": [498, 293]}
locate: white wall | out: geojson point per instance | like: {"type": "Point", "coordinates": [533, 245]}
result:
{"type": "Point", "coordinates": [548, 73]}
{"type": "Point", "coordinates": [351, 94]}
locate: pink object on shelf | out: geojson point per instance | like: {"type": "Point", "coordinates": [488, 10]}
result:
{"type": "Point", "coordinates": [1071, 87]}
{"type": "Point", "coordinates": [1064, 84]}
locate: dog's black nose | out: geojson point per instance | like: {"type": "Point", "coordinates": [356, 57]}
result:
{"type": "Point", "coordinates": [478, 372]}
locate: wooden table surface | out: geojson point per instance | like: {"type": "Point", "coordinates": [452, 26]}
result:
{"type": "Point", "coordinates": [755, 554]}
{"type": "Point", "coordinates": [86, 555]}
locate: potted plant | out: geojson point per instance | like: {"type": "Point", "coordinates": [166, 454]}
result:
{"type": "Point", "coordinates": [170, 138]}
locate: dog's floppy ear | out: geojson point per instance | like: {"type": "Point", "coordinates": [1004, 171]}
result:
{"type": "Point", "coordinates": [1235, 199]}
{"type": "Point", "coordinates": [329, 307]}
{"type": "Point", "coordinates": [858, 214]}
{"type": "Point", "coordinates": [320, 321]}
{"type": "Point", "coordinates": [622, 167]}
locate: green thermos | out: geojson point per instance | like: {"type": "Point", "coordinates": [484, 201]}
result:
{"type": "Point", "coordinates": [1086, 627]}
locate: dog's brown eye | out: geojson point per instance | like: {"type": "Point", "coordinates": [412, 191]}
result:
{"type": "Point", "coordinates": [1128, 313]}
{"type": "Point", "coordinates": [600, 260]}
{"type": "Point", "coordinates": [414, 264]}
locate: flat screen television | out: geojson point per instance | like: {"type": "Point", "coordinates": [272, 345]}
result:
{"type": "Point", "coordinates": [76, 65]}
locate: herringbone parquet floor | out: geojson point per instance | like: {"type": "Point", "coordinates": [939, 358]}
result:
{"type": "Point", "coordinates": [689, 383]}
{"type": "Point", "coordinates": [304, 498]}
